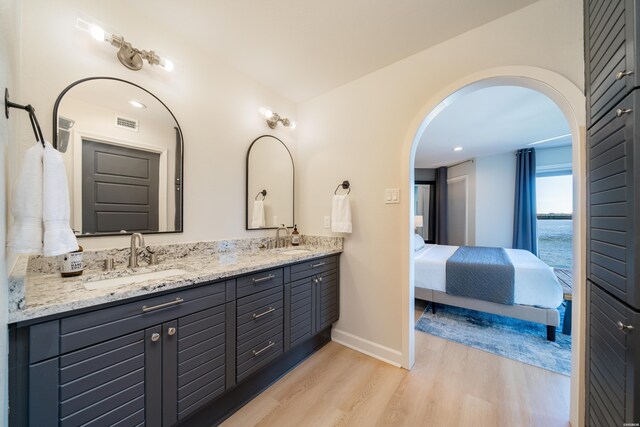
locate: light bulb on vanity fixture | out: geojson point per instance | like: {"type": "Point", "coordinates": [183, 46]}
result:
{"type": "Point", "coordinates": [128, 55]}
{"type": "Point", "coordinates": [273, 119]}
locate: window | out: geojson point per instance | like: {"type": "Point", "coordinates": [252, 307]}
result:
{"type": "Point", "coordinates": [554, 196]}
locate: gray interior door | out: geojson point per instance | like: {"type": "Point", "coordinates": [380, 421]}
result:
{"type": "Point", "coordinates": [457, 212]}
{"type": "Point", "coordinates": [119, 188]}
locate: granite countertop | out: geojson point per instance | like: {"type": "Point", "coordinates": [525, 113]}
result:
{"type": "Point", "coordinates": [38, 291]}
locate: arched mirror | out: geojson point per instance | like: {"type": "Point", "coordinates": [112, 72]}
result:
{"type": "Point", "coordinates": [270, 183]}
{"type": "Point", "coordinates": [123, 152]}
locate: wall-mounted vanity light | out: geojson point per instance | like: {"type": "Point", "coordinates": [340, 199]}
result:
{"type": "Point", "coordinates": [274, 118]}
{"type": "Point", "coordinates": [129, 56]}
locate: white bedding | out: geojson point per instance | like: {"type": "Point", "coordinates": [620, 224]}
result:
{"type": "Point", "coordinates": [535, 282]}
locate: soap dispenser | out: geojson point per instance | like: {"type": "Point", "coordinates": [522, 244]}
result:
{"type": "Point", "coordinates": [295, 236]}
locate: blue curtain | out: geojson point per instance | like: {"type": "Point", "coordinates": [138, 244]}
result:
{"type": "Point", "coordinates": [441, 206]}
{"type": "Point", "coordinates": [525, 230]}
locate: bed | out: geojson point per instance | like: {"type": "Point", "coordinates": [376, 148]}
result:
{"type": "Point", "coordinates": [536, 290]}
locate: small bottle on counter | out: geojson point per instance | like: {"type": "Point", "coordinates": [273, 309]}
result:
{"type": "Point", "coordinates": [71, 263]}
{"type": "Point", "coordinates": [295, 236]}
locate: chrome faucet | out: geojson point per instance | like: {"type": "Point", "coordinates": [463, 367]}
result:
{"type": "Point", "coordinates": [286, 241]}
{"type": "Point", "coordinates": [137, 241]}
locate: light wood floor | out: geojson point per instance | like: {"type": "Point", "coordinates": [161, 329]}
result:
{"type": "Point", "coordinates": [450, 385]}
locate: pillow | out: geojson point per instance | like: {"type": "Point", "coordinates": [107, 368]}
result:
{"type": "Point", "coordinates": [418, 241]}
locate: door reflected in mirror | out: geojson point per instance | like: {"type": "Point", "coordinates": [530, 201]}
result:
{"type": "Point", "coordinates": [425, 197]}
{"type": "Point", "coordinates": [270, 183]}
{"type": "Point", "coordinates": [123, 151]}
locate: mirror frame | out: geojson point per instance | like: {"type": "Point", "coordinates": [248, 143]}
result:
{"type": "Point", "coordinates": [432, 218]}
{"type": "Point", "coordinates": [293, 186]}
{"type": "Point", "coordinates": [54, 140]}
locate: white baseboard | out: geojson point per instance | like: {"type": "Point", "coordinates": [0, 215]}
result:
{"type": "Point", "coordinates": [380, 352]}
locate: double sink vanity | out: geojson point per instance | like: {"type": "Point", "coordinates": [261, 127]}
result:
{"type": "Point", "coordinates": [188, 340]}
{"type": "Point", "coordinates": [185, 333]}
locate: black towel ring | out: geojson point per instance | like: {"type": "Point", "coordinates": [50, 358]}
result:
{"type": "Point", "coordinates": [264, 195]}
{"type": "Point", "coordinates": [345, 185]}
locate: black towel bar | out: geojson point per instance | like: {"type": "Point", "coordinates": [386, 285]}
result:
{"type": "Point", "coordinates": [264, 195]}
{"type": "Point", "coordinates": [37, 131]}
{"type": "Point", "coordinates": [345, 185]}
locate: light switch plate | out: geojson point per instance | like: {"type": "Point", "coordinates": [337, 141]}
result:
{"type": "Point", "coordinates": [327, 221]}
{"type": "Point", "coordinates": [392, 195]}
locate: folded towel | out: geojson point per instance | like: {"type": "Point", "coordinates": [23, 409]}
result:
{"type": "Point", "coordinates": [257, 220]}
{"type": "Point", "coordinates": [25, 235]}
{"type": "Point", "coordinates": [341, 214]}
{"type": "Point", "coordinates": [58, 236]}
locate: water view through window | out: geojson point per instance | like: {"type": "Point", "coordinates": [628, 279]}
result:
{"type": "Point", "coordinates": [554, 196]}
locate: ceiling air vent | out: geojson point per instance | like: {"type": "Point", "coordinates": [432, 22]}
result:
{"type": "Point", "coordinates": [125, 123]}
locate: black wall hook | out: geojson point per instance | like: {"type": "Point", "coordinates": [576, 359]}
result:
{"type": "Point", "coordinates": [345, 185]}
{"type": "Point", "coordinates": [37, 131]}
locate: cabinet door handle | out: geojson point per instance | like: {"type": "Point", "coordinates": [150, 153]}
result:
{"type": "Point", "coordinates": [264, 313]}
{"type": "Point", "coordinates": [625, 328]}
{"type": "Point", "coordinates": [257, 352]}
{"type": "Point", "coordinates": [265, 278]}
{"type": "Point", "coordinates": [159, 306]}
{"type": "Point", "coordinates": [622, 74]}
{"type": "Point", "coordinates": [171, 331]}
{"type": "Point", "coordinates": [621, 111]}
{"type": "Point", "coordinates": [155, 337]}
{"type": "Point", "coordinates": [320, 264]}
{"type": "Point", "coordinates": [320, 279]}
{"type": "Point", "coordinates": [315, 280]}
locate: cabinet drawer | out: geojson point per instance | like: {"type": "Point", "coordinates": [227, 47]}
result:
{"type": "Point", "coordinates": [611, 32]}
{"type": "Point", "coordinates": [249, 332]}
{"type": "Point", "coordinates": [613, 215]}
{"type": "Point", "coordinates": [258, 352]}
{"type": "Point", "coordinates": [100, 325]}
{"type": "Point", "coordinates": [254, 313]}
{"type": "Point", "coordinates": [250, 284]}
{"type": "Point", "coordinates": [315, 266]}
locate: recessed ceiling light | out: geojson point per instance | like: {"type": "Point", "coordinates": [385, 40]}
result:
{"type": "Point", "coordinates": [137, 104]}
{"type": "Point", "coordinates": [457, 148]}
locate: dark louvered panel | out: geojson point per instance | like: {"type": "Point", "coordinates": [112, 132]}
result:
{"type": "Point", "coordinates": [328, 300]}
{"type": "Point", "coordinates": [610, 31]}
{"type": "Point", "coordinates": [612, 360]}
{"type": "Point", "coordinates": [613, 213]}
{"type": "Point", "coordinates": [104, 384]}
{"type": "Point", "coordinates": [301, 326]}
{"type": "Point", "coordinates": [201, 359]}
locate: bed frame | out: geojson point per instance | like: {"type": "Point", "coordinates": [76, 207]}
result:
{"type": "Point", "coordinates": [546, 316]}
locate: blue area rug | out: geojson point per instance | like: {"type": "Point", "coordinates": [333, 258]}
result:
{"type": "Point", "coordinates": [504, 336]}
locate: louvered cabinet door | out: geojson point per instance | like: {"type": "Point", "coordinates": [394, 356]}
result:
{"type": "Point", "coordinates": [328, 296]}
{"type": "Point", "coordinates": [111, 383]}
{"type": "Point", "coordinates": [611, 62]}
{"type": "Point", "coordinates": [613, 174]}
{"type": "Point", "coordinates": [613, 361]}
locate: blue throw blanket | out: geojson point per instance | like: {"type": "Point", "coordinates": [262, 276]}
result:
{"type": "Point", "coordinates": [481, 273]}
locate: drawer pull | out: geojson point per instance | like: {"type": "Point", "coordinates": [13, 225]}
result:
{"type": "Point", "coordinates": [320, 264]}
{"type": "Point", "coordinates": [264, 313]}
{"type": "Point", "coordinates": [258, 352]}
{"type": "Point", "coordinates": [625, 328]}
{"type": "Point", "coordinates": [159, 306]}
{"type": "Point", "coordinates": [621, 111]}
{"type": "Point", "coordinates": [155, 337]}
{"type": "Point", "coordinates": [623, 74]}
{"type": "Point", "coordinates": [265, 278]}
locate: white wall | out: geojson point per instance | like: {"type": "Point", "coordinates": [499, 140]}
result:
{"type": "Point", "coordinates": [9, 30]}
{"type": "Point", "coordinates": [495, 194]}
{"type": "Point", "coordinates": [357, 132]}
{"type": "Point", "coordinates": [216, 106]}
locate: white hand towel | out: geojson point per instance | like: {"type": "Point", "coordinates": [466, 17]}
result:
{"type": "Point", "coordinates": [341, 214]}
{"type": "Point", "coordinates": [58, 236]}
{"type": "Point", "coordinates": [25, 235]}
{"type": "Point", "coordinates": [257, 220]}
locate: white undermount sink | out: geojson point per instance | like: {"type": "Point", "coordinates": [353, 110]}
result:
{"type": "Point", "coordinates": [296, 251]}
{"type": "Point", "coordinates": [133, 278]}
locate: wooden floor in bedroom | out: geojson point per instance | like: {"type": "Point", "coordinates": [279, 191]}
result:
{"type": "Point", "coordinates": [450, 385]}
